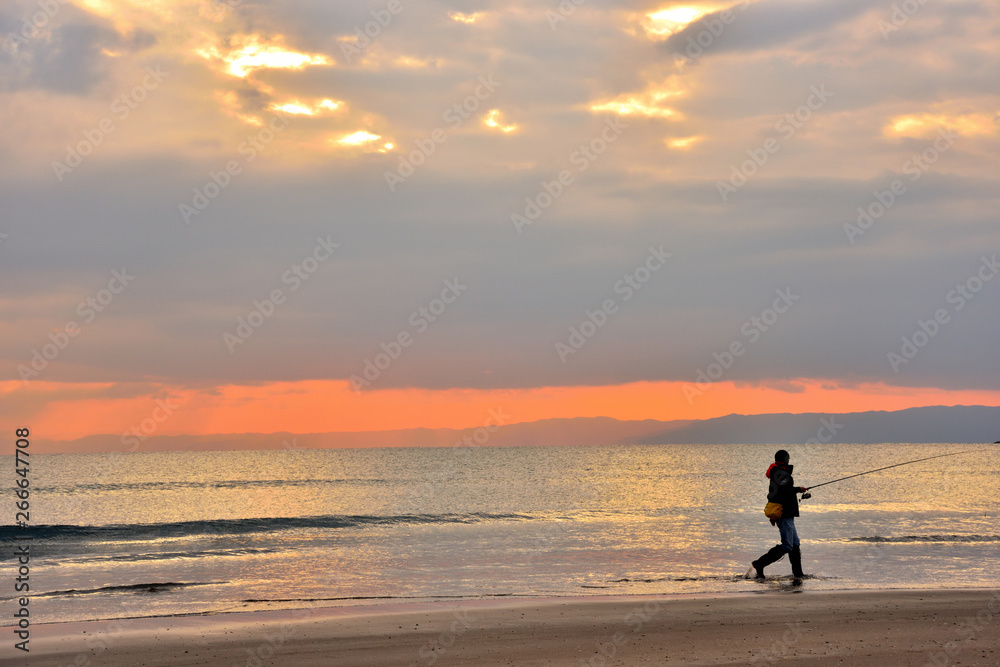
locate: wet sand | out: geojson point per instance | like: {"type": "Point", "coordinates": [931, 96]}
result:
{"type": "Point", "coordinates": [785, 627]}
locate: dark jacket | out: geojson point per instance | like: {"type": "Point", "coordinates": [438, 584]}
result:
{"type": "Point", "coordinates": [782, 489]}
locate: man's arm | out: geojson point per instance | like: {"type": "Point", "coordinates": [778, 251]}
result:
{"type": "Point", "coordinates": [783, 481]}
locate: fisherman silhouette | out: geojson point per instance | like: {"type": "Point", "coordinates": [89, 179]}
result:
{"type": "Point", "coordinates": [782, 491]}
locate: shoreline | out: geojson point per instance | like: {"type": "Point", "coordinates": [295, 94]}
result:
{"type": "Point", "coordinates": [401, 605]}
{"type": "Point", "coordinates": [775, 586]}
{"type": "Point", "coordinates": [792, 626]}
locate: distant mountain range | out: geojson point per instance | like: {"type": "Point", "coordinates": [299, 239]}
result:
{"type": "Point", "coordinates": [955, 424]}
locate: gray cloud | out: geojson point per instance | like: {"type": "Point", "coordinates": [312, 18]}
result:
{"type": "Point", "coordinates": [767, 24]}
{"type": "Point", "coordinates": [60, 50]}
{"type": "Point", "coordinates": [452, 218]}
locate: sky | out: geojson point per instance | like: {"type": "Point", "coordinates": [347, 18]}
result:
{"type": "Point", "coordinates": [313, 216]}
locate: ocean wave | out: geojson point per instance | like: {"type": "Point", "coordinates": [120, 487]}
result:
{"type": "Point", "coordinates": [157, 587]}
{"type": "Point", "coordinates": [227, 527]}
{"type": "Point", "coordinates": [162, 555]}
{"type": "Point", "coordinates": [218, 484]}
{"type": "Point", "coordinates": [927, 538]}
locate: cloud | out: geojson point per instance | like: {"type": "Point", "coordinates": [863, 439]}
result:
{"type": "Point", "coordinates": [65, 50]}
{"type": "Point", "coordinates": [656, 183]}
{"type": "Point", "coordinates": [762, 25]}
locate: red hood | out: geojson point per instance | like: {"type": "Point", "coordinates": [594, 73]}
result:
{"type": "Point", "coordinates": [773, 466]}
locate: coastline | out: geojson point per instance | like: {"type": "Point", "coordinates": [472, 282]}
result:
{"type": "Point", "coordinates": [791, 626]}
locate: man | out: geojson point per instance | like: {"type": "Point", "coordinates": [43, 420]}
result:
{"type": "Point", "coordinates": [782, 491]}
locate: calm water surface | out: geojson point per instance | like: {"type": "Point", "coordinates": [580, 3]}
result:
{"type": "Point", "coordinates": [166, 533]}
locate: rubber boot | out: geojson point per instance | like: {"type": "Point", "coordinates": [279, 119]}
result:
{"type": "Point", "coordinates": [795, 557]}
{"type": "Point", "coordinates": [771, 556]}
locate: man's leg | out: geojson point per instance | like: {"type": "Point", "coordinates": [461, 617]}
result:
{"type": "Point", "coordinates": [790, 541]}
{"type": "Point", "coordinates": [776, 552]}
{"type": "Point", "coordinates": [789, 537]}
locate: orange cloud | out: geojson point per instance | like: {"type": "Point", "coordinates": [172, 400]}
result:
{"type": "Point", "coordinates": [361, 139]}
{"type": "Point", "coordinates": [925, 124]}
{"type": "Point", "coordinates": [648, 103]}
{"type": "Point", "coordinates": [665, 22]}
{"type": "Point", "coordinates": [494, 120]}
{"type": "Point", "coordinates": [465, 18]}
{"type": "Point", "coordinates": [683, 143]}
{"type": "Point", "coordinates": [248, 53]}
{"type": "Point", "coordinates": [306, 109]}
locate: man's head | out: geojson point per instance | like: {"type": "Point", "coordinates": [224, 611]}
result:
{"type": "Point", "coordinates": [781, 456]}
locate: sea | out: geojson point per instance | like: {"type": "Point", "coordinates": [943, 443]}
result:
{"type": "Point", "coordinates": [143, 534]}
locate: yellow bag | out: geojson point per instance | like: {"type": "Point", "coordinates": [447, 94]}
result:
{"type": "Point", "coordinates": [772, 511]}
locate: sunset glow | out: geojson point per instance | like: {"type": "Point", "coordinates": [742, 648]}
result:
{"type": "Point", "coordinates": [494, 119]}
{"type": "Point", "coordinates": [683, 143]}
{"type": "Point", "coordinates": [300, 108]}
{"type": "Point", "coordinates": [649, 103]}
{"type": "Point", "coordinates": [573, 210]}
{"type": "Point", "coordinates": [329, 406]}
{"type": "Point", "coordinates": [464, 18]}
{"type": "Point", "coordinates": [249, 53]}
{"type": "Point", "coordinates": [640, 106]}
{"type": "Point", "coordinates": [665, 22]}
{"type": "Point", "coordinates": [358, 138]}
{"type": "Point", "coordinates": [922, 125]}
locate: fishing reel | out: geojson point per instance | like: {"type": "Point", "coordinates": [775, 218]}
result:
{"type": "Point", "coordinates": [806, 496]}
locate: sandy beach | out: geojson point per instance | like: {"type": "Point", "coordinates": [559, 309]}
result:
{"type": "Point", "coordinates": [792, 627]}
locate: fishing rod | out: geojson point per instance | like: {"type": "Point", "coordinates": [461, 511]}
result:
{"type": "Point", "coordinates": [895, 465]}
